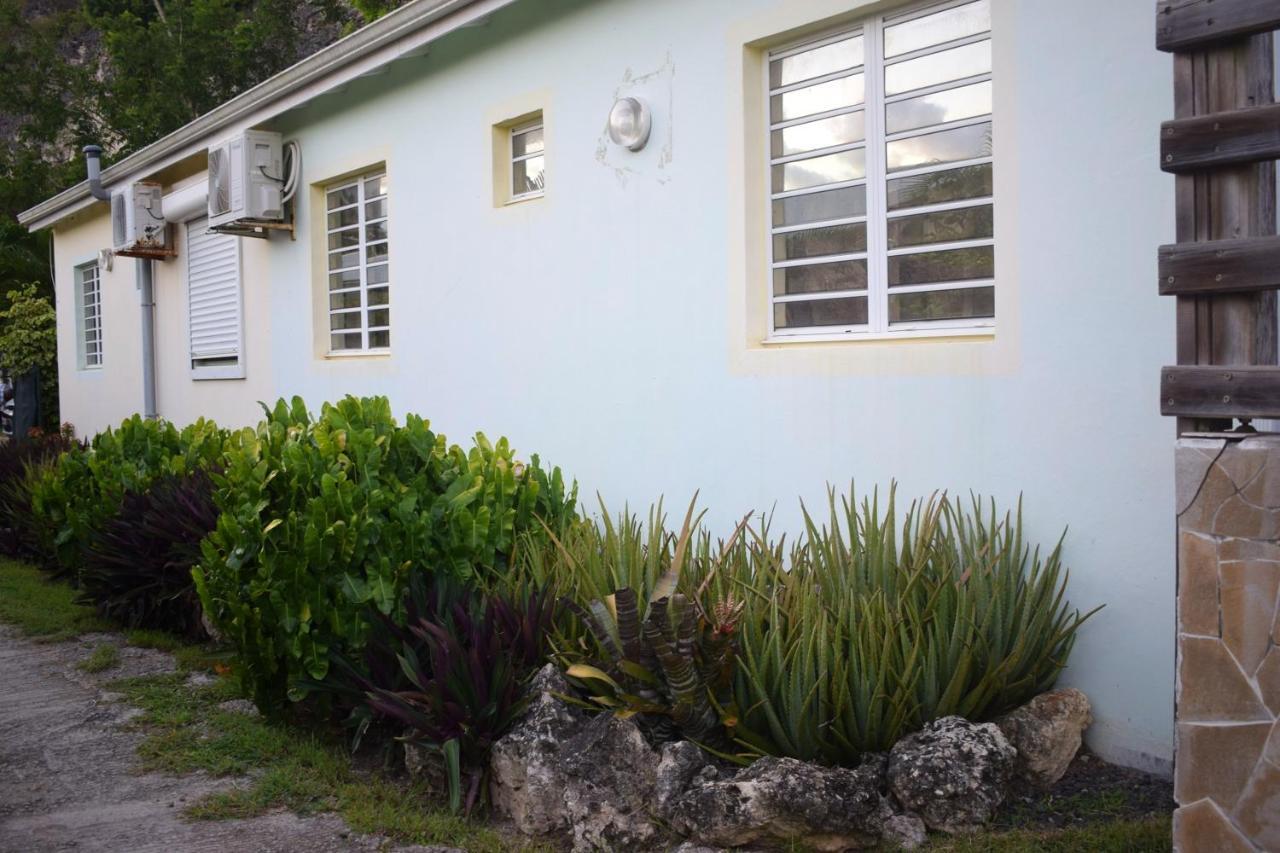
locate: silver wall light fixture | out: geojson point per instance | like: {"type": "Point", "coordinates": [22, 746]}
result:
{"type": "Point", "coordinates": [630, 123]}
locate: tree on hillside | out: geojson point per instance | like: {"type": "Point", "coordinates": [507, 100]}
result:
{"type": "Point", "coordinates": [122, 74]}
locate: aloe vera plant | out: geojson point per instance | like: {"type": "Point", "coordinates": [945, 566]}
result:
{"type": "Point", "coordinates": [862, 630]}
{"type": "Point", "coordinates": [867, 634]}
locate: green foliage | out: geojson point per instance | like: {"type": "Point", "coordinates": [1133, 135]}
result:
{"type": "Point", "coordinates": [324, 516]}
{"type": "Point", "coordinates": [861, 632]}
{"type": "Point", "coordinates": [162, 64]}
{"type": "Point", "coordinates": [865, 634]}
{"type": "Point", "coordinates": [29, 340]}
{"type": "Point", "coordinates": [452, 679]}
{"type": "Point", "coordinates": [289, 767]}
{"type": "Point", "coordinates": [1143, 835]}
{"type": "Point", "coordinates": [22, 463]}
{"type": "Point", "coordinates": [137, 565]}
{"type": "Point", "coordinates": [73, 498]}
{"type": "Point", "coordinates": [636, 635]}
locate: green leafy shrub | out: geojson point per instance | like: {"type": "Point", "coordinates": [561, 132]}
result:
{"type": "Point", "coordinates": [76, 496]}
{"type": "Point", "coordinates": [21, 464]}
{"type": "Point", "coordinates": [29, 341]}
{"type": "Point", "coordinates": [321, 517]}
{"type": "Point", "coordinates": [872, 630]}
{"type": "Point", "coordinates": [137, 564]}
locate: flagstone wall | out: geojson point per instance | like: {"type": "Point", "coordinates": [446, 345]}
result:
{"type": "Point", "coordinates": [1227, 763]}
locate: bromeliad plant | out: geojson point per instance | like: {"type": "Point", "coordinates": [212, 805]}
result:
{"type": "Point", "coordinates": [635, 643]}
{"type": "Point", "coordinates": [324, 516]}
{"type": "Point", "coordinates": [137, 565]}
{"type": "Point", "coordinates": [866, 636]}
{"type": "Point", "coordinates": [452, 678]}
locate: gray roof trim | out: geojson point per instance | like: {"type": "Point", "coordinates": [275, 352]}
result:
{"type": "Point", "coordinates": [405, 31]}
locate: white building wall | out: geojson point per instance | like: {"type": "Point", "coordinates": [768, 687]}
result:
{"type": "Point", "coordinates": [608, 325]}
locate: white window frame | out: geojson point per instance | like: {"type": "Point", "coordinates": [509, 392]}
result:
{"type": "Point", "coordinates": [364, 265]}
{"type": "Point", "coordinates": [513, 158]}
{"type": "Point", "coordinates": [875, 140]}
{"type": "Point", "coordinates": [221, 369]}
{"type": "Point", "coordinates": [84, 359]}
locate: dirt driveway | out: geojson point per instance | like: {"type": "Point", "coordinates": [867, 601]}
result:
{"type": "Point", "coordinates": [69, 778]}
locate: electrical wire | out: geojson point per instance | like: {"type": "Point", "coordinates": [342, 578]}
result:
{"type": "Point", "coordinates": [293, 168]}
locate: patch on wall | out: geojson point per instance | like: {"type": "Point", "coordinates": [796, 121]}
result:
{"type": "Point", "coordinates": [655, 89]}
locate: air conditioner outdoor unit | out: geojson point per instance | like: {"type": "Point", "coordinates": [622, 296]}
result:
{"type": "Point", "coordinates": [137, 220]}
{"type": "Point", "coordinates": [246, 174]}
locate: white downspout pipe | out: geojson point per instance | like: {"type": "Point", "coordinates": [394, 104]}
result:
{"type": "Point", "coordinates": [146, 291]}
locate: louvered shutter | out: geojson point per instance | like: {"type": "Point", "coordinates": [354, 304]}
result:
{"type": "Point", "coordinates": [213, 288]}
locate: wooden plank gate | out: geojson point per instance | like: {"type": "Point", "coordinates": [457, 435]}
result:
{"type": "Point", "coordinates": [1224, 271]}
{"type": "Point", "coordinates": [1225, 268]}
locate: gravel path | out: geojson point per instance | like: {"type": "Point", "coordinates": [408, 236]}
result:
{"type": "Point", "coordinates": [69, 778]}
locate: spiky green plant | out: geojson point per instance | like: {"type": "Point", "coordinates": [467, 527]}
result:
{"type": "Point", "coordinates": [636, 636]}
{"type": "Point", "coordinates": [873, 629]}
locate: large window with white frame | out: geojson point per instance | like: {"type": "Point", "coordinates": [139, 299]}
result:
{"type": "Point", "coordinates": [358, 265]}
{"type": "Point", "coordinates": [880, 175]}
{"type": "Point", "coordinates": [88, 301]}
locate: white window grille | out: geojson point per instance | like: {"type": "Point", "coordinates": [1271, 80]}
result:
{"type": "Point", "coordinates": [359, 279]}
{"type": "Point", "coordinates": [880, 172]}
{"type": "Point", "coordinates": [528, 161]}
{"type": "Point", "coordinates": [89, 316]}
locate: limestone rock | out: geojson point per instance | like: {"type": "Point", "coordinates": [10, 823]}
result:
{"type": "Point", "coordinates": [239, 706]}
{"type": "Point", "coordinates": [211, 631]}
{"type": "Point", "coordinates": [782, 799]}
{"type": "Point", "coordinates": [526, 781]}
{"type": "Point", "coordinates": [906, 831]}
{"type": "Point", "coordinates": [1047, 732]}
{"type": "Point", "coordinates": [679, 764]}
{"type": "Point", "coordinates": [952, 773]}
{"type": "Point", "coordinates": [610, 779]}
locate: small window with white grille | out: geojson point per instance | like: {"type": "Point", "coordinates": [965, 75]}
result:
{"type": "Point", "coordinates": [880, 168]}
{"type": "Point", "coordinates": [358, 265]}
{"type": "Point", "coordinates": [214, 303]}
{"type": "Point", "coordinates": [88, 289]}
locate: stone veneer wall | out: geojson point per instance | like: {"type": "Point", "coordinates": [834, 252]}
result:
{"type": "Point", "coordinates": [1227, 764]}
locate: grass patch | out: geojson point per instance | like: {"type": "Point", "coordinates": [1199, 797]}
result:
{"type": "Point", "coordinates": [1147, 835]}
{"type": "Point", "coordinates": [41, 608]}
{"type": "Point", "coordinates": [105, 656]}
{"type": "Point", "coordinates": [303, 771]}
{"type": "Point", "coordinates": [149, 638]}
{"type": "Point", "coordinates": [189, 656]}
